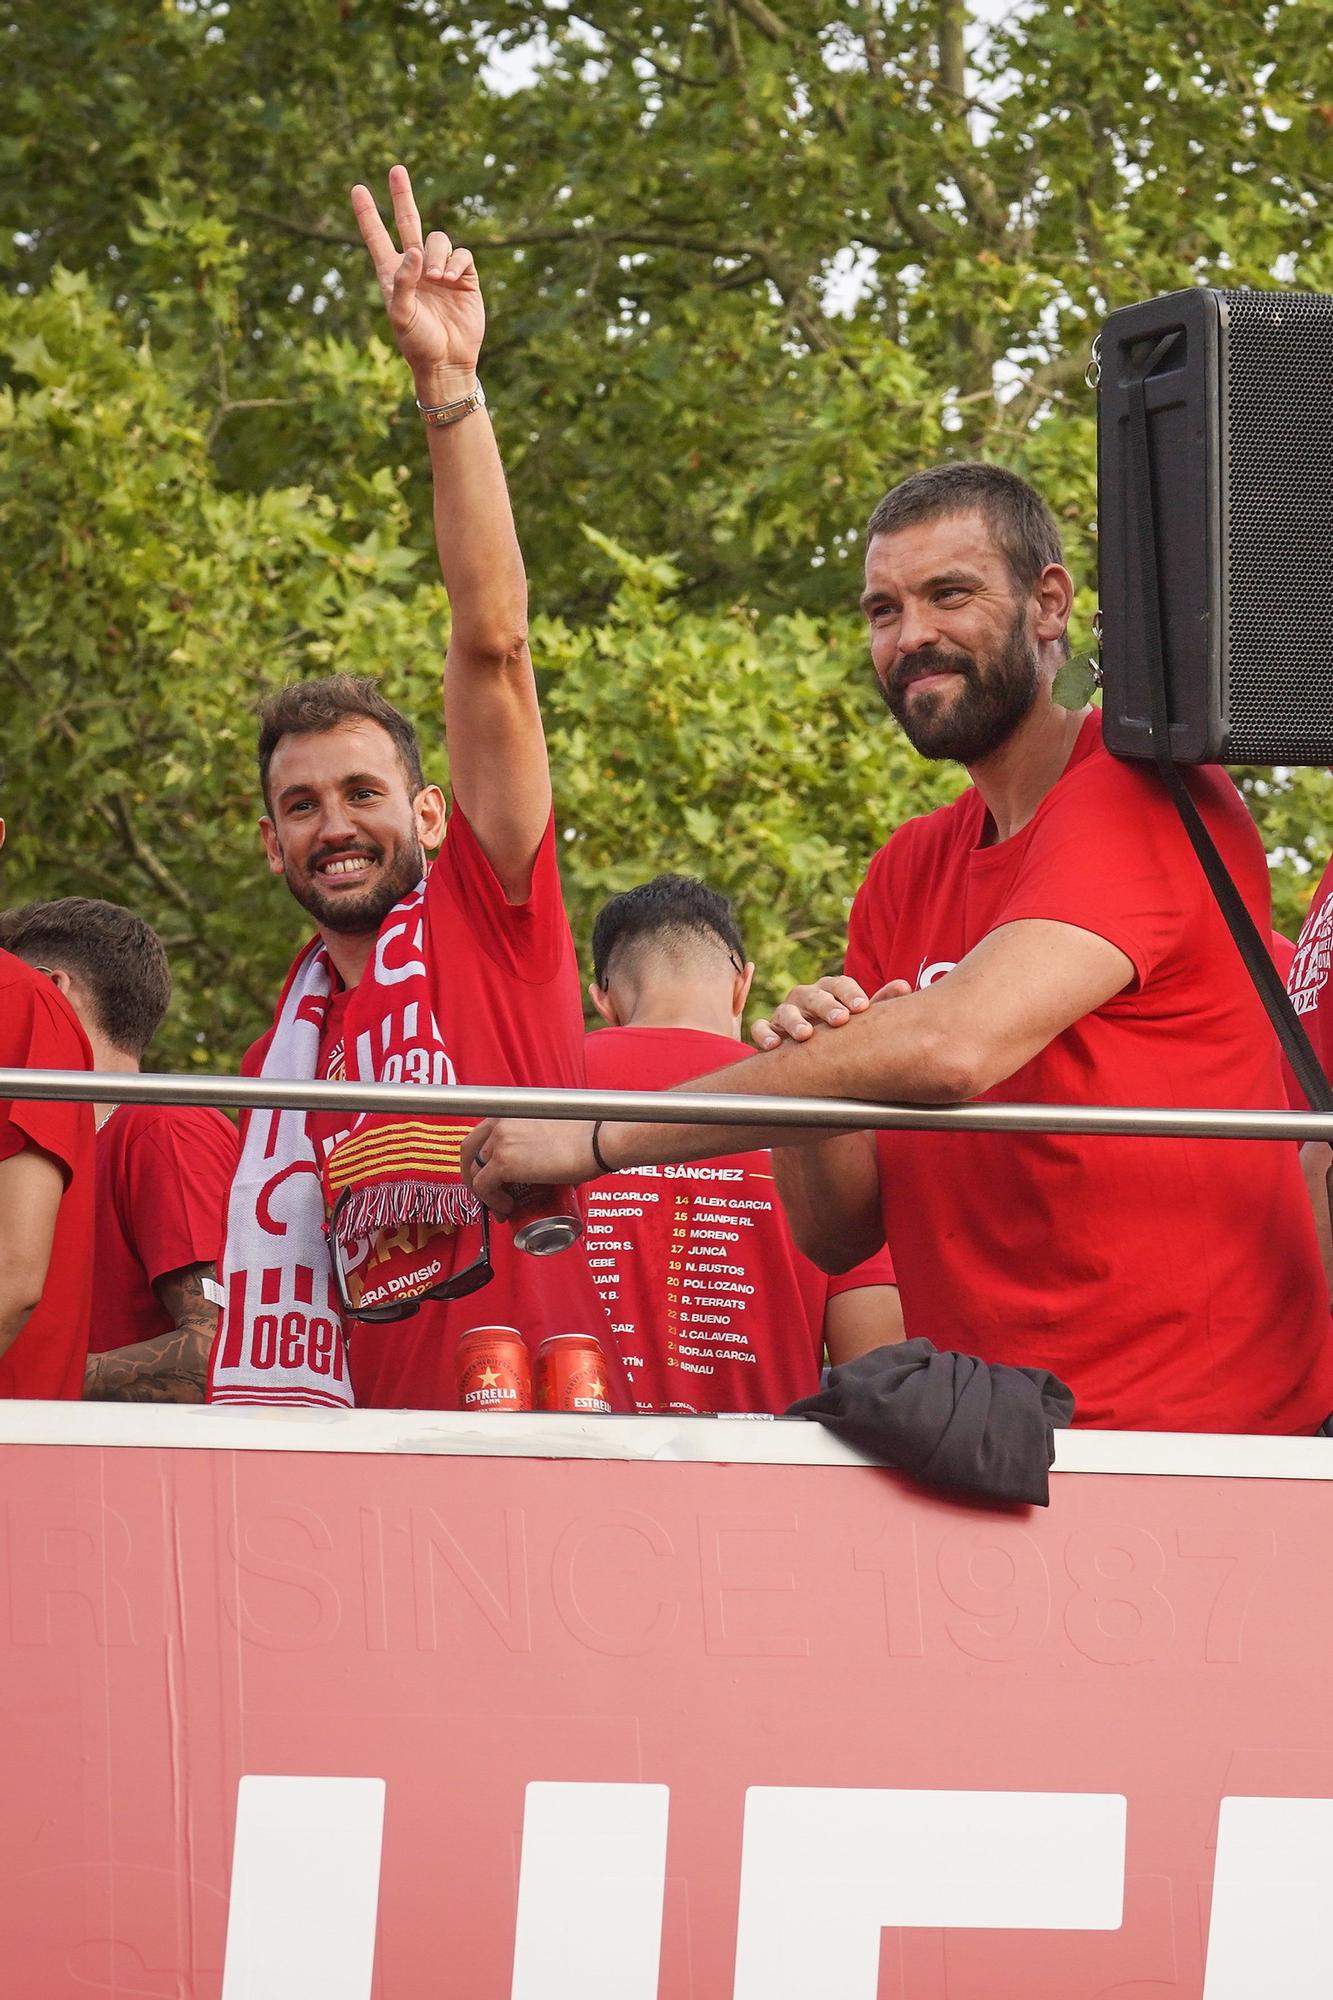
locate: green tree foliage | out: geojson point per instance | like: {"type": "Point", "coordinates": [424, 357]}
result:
{"type": "Point", "coordinates": [745, 265]}
{"type": "Point", "coordinates": [144, 608]}
{"type": "Point", "coordinates": [752, 754]}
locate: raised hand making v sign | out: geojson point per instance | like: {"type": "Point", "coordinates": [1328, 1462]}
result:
{"type": "Point", "coordinates": [497, 753]}
{"type": "Point", "coordinates": [431, 292]}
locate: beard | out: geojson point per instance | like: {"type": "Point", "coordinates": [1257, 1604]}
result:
{"type": "Point", "coordinates": [968, 724]}
{"type": "Point", "coordinates": [355, 913]}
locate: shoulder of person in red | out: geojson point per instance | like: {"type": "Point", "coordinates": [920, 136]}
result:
{"type": "Point", "coordinates": [164, 1172]}
{"type": "Point", "coordinates": [39, 1030]}
{"type": "Point", "coordinates": [656, 1058]}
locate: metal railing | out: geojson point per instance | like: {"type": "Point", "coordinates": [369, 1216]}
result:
{"type": "Point", "coordinates": [677, 1107]}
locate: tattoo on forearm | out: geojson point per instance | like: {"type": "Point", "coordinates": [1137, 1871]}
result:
{"type": "Point", "coordinates": [173, 1366]}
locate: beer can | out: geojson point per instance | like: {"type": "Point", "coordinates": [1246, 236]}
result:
{"type": "Point", "coordinates": [571, 1374]}
{"type": "Point", "coordinates": [546, 1219]}
{"type": "Point", "coordinates": [494, 1369]}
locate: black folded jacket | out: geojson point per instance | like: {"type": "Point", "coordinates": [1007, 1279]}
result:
{"type": "Point", "coordinates": [948, 1419]}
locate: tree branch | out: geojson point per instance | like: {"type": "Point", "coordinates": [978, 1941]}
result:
{"type": "Point", "coordinates": [637, 51]}
{"type": "Point", "coordinates": [1049, 381]}
{"type": "Point", "coordinates": [976, 187]}
{"type": "Point", "coordinates": [652, 238]}
{"type": "Point", "coordinates": [952, 74]}
{"type": "Point", "coordinates": [920, 230]}
{"type": "Point", "coordinates": [310, 232]}
{"type": "Point", "coordinates": [762, 17]}
{"type": "Point", "coordinates": [153, 867]}
{"type": "Point", "coordinates": [224, 410]}
{"type": "Point", "coordinates": [113, 812]}
{"type": "Point", "coordinates": [872, 41]}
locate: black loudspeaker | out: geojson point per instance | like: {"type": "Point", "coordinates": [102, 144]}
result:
{"type": "Point", "coordinates": [1239, 417]}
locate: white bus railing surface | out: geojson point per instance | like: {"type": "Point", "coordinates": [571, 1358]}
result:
{"type": "Point", "coordinates": [650, 1107]}
{"type": "Point", "coordinates": [642, 1440]}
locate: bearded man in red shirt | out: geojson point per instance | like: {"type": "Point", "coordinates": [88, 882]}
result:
{"type": "Point", "coordinates": [1048, 937]}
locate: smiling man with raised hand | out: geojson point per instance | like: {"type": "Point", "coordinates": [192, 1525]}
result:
{"type": "Point", "coordinates": [358, 1231]}
{"type": "Point", "coordinates": [1049, 937]}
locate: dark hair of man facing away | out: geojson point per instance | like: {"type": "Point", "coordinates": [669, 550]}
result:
{"type": "Point", "coordinates": [114, 955]}
{"type": "Point", "coordinates": [308, 708]}
{"type": "Point", "coordinates": [1021, 525]}
{"type": "Point", "coordinates": [673, 915]}
{"type": "Point", "coordinates": [668, 956]}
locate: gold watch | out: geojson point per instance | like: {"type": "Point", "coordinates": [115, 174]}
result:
{"type": "Point", "coordinates": [436, 416]}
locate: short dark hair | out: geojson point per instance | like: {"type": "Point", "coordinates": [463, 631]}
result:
{"type": "Point", "coordinates": [114, 954]}
{"type": "Point", "coordinates": [1022, 526]}
{"type": "Point", "coordinates": [670, 907]}
{"type": "Point", "coordinates": [308, 708]}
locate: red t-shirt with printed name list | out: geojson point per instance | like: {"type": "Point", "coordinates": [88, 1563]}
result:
{"type": "Point", "coordinates": [506, 994]}
{"type": "Point", "coordinates": [1174, 1284]}
{"type": "Point", "coordinates": [39, 1030]}
{"type": "Point", "coordinates": [163, 1172]}
{"type": "Point", "coordinates": [714, 1307]}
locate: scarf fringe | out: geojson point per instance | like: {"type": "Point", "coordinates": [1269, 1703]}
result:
{"type": "Point", "coordinates": [390, 1205]}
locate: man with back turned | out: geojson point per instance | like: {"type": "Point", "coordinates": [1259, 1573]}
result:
{"type": "Point", "coordinates": [715, 1306]}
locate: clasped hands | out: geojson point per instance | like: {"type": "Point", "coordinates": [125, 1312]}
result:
{"type": "Point", "coordinates": [501, 1153]}
{"type": "Point", "coordinates": [829, 1003]}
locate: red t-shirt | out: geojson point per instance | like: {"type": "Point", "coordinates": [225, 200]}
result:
{"type": "Point", "coordinates": [1283, 953]}
{"type": "Point", "coordinates": [506, 994]}
{"type": "Point", "coordinates": [1173, 1283]}
{"type": "Point", "coordinates": [163, 1172]}
{"type": "Point", "coordinates": [713, 1305]}
{"type": "Point", "coordinates": [1308, 980]}
{"type": "Point", "coordinates": [39, 1030]}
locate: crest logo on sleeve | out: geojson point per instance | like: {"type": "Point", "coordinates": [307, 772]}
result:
{"type": "Point", "coordinates": [1309, 969]}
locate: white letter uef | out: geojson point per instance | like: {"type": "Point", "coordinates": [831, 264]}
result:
{"type": "Point", "coordinates": [823, 1871]}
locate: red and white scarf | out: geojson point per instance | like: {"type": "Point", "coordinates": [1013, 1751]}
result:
{"type": "Point", "coordinates": [282, 1339]}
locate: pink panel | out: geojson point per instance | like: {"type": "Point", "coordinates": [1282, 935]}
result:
{"type": "Point", "coordinates": [461, 1627]}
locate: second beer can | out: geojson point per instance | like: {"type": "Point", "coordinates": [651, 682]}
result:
{"type": "Point", "coordinates": [494, 1369]}
{"type": "Point", "coordinates": [571, 1374]}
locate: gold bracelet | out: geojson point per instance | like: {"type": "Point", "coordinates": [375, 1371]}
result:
{"type": "Point", "coordinates": [436, 416]}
